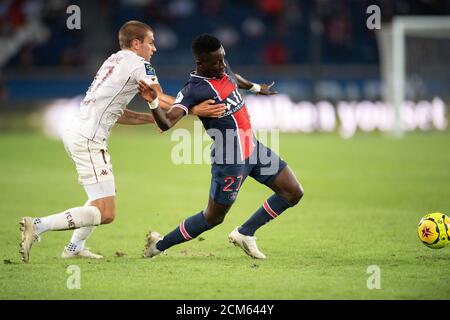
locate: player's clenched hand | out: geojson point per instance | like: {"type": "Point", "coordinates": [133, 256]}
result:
{"type": "Point", "coordinates": [146, 91]}
{"type": "Point", "coordinates": [209, 109]}
{"type": "Point", "coordinates": [266, 89]}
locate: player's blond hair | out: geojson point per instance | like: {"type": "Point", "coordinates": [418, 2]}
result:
{"type": "Point", "coordinates": [132, 30]}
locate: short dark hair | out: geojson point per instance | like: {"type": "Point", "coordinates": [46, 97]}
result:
{"type": "Point", "coordinates": [205, 43]}
{"type": "Point", "coordinates": [132, 30]}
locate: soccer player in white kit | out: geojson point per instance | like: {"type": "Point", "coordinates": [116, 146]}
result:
{"type": "Point", "coordinates": [85, 139]}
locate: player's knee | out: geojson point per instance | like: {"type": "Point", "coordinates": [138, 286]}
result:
{"type": "Point", "coordinates": [108, 216]}
{"type": "Point", "coordinates": [108, 219]}
{"type": "Point", "coordinates": [107, 210]}
{"type": "Point", "coordinates": [295, 194]}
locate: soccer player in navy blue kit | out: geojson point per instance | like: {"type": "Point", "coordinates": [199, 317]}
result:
{"type": "Point", "coordinates": [236, 154]}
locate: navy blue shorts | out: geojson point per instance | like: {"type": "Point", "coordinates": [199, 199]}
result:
{"type": "Point", "coordinates": [263, 166]}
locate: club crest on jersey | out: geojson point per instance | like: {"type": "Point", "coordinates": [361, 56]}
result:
{"type": "Point", "coordinates": [233, 196]}
{"type": "Point", "coordinates": [149, 70]}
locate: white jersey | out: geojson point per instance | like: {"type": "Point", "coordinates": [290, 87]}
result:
{"type": "Point", "coordinates": [114, 86]}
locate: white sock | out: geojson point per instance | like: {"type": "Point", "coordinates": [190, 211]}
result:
{"type": "Point", "coordinates": [79, 238]}
{"type": "Point", "coordinates": [70, 219]}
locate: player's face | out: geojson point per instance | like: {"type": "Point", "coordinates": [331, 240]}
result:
{"type": "Point", "coordinates": [213, 65]}
{"type": "Point", "coordinates": [147, 47]}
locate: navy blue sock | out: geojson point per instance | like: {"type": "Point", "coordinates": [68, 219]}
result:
{"type": "Point", "coordinates": [271, 209]}
{"type": "Point", "coordinates": [187, 230]}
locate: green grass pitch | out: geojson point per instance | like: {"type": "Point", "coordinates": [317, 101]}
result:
{"type": "Point", "coordinates": [363, 199]}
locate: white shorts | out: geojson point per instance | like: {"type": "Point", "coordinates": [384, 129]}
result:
{"type": "Point", "coordinates": [91, 159]}
{"type": "Point", "coordinates": [100, 190]}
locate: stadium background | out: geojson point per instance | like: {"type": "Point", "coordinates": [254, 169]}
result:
{"type": "Point", "coordinates": [364, 196]}
{"type": "Point", "coordinates": [313, 49]}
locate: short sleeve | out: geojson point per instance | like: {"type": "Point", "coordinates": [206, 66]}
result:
{"type": "Point", "coordinates": [185, 99]}
{"type": "Point", "coordinates": [144, 71]}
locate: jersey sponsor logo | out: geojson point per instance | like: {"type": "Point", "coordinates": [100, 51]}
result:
{"type": "Point", "coordinates": [233, 102]}
{"type": "Point", "coordinates": [149, 70]}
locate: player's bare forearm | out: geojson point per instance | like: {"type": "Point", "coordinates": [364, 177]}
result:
{"type": "Point", "coordinates": [208, 109]}
{"type": "Point", "coordinates": [242, 82]}
{"type": "Point", "coordinates": [164, 120]}
{"type": "Point", "coordinates": [165, 101]}
{"type": "Point", "coordinates": [264, 89]}
{"type": "Point", "coordinates": [135, 118]}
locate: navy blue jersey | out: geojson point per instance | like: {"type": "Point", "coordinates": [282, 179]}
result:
{"type": "Point", "coordinates": [232, 132]}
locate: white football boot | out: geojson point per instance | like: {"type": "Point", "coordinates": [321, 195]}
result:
{"type": "Point", "coordinates": [150, 249]}
{"type": "Point", "coordinates": [83, 254]}
{"type": "Point", "coordinates": [28, 237]}
{"type": "Point", "coordinates": [247, 243]}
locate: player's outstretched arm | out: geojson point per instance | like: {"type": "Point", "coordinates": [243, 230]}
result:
{"type": "Point", "coordinates": [264, 89]}
{"type": "Point", "coordinates": [135, 118]}
{"type": "Point", "coordinates": [164, 120]}
{"type": "Point", "coordinates": [208, 109]}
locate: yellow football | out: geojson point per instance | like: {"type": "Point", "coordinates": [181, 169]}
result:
{"type": "Point", "coordinates": [433, 230]}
